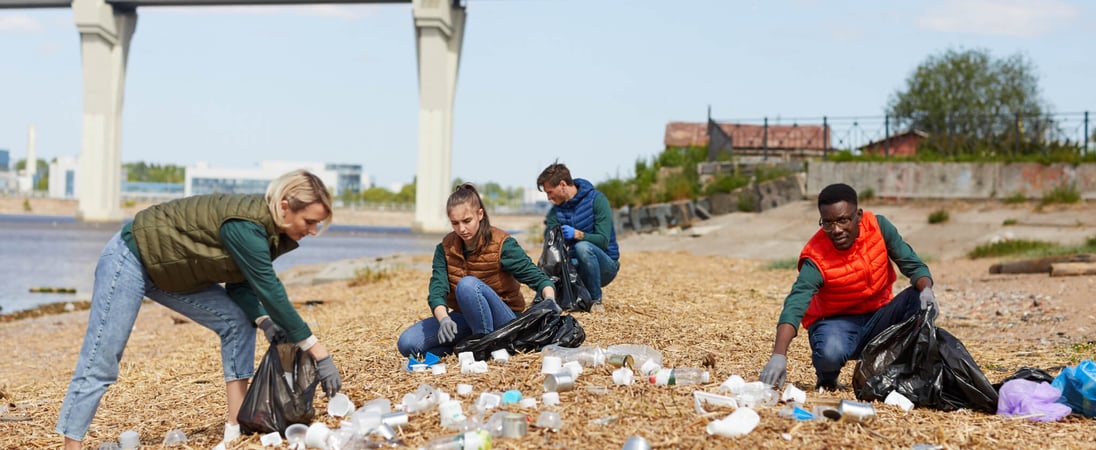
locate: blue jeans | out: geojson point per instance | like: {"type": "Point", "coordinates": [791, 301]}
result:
{"type": "Point", "coordinates": [121, 282]}
{"type": "Point", "coordinates": [481, 312]}
{"type": "Point", "coordinates": [837, 339]}
{"type": "Point", "coordinates": [595, 267]}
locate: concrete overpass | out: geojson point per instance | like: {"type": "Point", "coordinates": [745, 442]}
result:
{"type": "Point", "coordinates": [106, 28]}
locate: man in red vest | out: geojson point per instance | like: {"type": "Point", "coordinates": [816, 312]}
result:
{"type": "Point", "coordinates": [843, 295]}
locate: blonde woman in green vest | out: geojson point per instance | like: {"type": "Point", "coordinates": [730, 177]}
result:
{"type": "Point", "coordinates": [177, 253]}
{"type": "Point", "coordinates": [474, 286]}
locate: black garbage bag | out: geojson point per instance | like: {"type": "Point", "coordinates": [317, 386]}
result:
{"type": "Point", "coordinates": [1026, 373]}
{"type": "Point", "coordinates": [281, 392]}
{"type": "Point", "coordinates": [536, 327]}
{"type": "Point", "coordinates": [928, 365]}
{"type": "Point", "coordinates": [571, 293]}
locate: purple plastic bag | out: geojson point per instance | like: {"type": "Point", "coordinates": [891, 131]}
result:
{"type": "Point", "coordinates": [1021, 397]}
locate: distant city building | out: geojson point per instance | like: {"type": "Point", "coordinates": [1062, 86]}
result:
{"type": "Point", "coordinates": [351, 178]}
{"type": "Point", "coordinates": [202, 179]}
{"type": "Point", "coordinates": [5, 160]}
{"type": "Point", "coordinates": [900, 144]}
{"type": "Point", "coordinates": [145, 191]}
{"type": "Point", "coordinates": [62, 177]}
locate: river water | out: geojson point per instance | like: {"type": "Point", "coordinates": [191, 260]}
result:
{"type": "Point", "coordinates": [61, 252]}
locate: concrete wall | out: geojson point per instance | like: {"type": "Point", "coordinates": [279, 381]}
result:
{"type": "Point", "coordinates": [952, 180]}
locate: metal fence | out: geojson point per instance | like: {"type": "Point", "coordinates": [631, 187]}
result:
{"type": "Point", "coordinates": [958, 134]}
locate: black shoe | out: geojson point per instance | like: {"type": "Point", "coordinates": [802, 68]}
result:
{"type": "Point", "coordinates": [827, 385]}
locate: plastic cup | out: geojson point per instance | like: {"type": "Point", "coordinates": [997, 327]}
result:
{"type": "Point", "coordinates": [419, 367]}
{"type": "Point", "coordinates": [550, 419]}
{"type": "Point", "coordinates": [636, 443]}
{"type": "Point", "coordinates": [464, 389]}
{"type": "Point", "coordinates": [500, 355]}
{"type": "Point", "coordinates": [174, 437]}
{"type": "Point", "coordinates": [550, 364]}
{"type": "Point", "coordinates": [528, 402]}
{"type": "Point", "coordinates": [437, 369]}
{"type": "Point", "coordinates": [574, 367]}
{"type": "Point", "coordinates": [109, 446]}
{"type": "Point", "coordinates": [463, 357]}
{"type": "Point", "coordinates": [317, 434]}
{"type": "Point", "coordinates": [271, 439]}
{"type": "Point", "coordinates": [129, 440]}
{"type": "Point", "coordinates": [295, 434]}
{"type": "Point", "coordinates": [339, 405]}
{"type": "Point", "coordinates": [385, 431]}
{"type": "Point", "coordinates": [550, 398]}
{"type": "Point", "coordinates": [622, 376]}
{"type": "Point", "coordinates": [394, 419]}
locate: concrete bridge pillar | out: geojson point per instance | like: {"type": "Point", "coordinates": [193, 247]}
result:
{"type": "Point", "coordinates": [439, 32]}
{"type": "Point", "coordinates": [105, 34]}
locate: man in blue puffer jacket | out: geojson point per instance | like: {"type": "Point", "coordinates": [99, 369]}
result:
{"type": "Point", "coordinates": [586, 219]}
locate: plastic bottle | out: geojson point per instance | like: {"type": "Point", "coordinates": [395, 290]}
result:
{"type": "Point", "coordinates": [585, 355]}
{"type": "Point", "coordinates": [472, 440]}
{"type": "Point", "coordinates": [679, 376]}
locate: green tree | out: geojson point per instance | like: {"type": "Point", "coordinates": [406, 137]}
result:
{"type": "Point", "coordinates": [142, 171]}
{"type": "Point", "coordinates": [972, 103]}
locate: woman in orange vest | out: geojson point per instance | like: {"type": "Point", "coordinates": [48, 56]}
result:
{"type": "Point", "coordinates": [474, 285]}
{"type": "Point", "coordinates": [843, 295]}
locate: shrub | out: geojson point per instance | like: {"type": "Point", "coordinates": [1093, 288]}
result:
{"type": "Point", "coordinates": [782, 264]}
{"type": "Point", "coordinates": [1018, 197]}
{"type": "Point", "coordinates": [1064, 193]}
{"type": "Point", "coordinates": [1009, 222]}
{"type": "Point", "coordinates": [1009, 247]}
{"type": "Point", "coordinates": [867, 194]}
{"type": "Point", "coordinates": [939, 216]}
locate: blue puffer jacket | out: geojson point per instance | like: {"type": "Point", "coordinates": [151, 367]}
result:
{"type": "Point", "coordinates": [578, 212]}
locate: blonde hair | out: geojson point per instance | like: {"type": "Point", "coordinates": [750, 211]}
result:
{"type": "Point", "coordinates": [299, 188]}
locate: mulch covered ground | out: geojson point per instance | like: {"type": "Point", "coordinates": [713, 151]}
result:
{"type": "Point", "coordinates": [696, 310]}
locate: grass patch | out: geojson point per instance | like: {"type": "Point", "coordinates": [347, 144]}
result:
{"type": "Point", "coordinates": [867, 194]}
{"type": "Point", "coordinates": [1013, 199]}
{"type": "Point", "coordinates": [782, 264]}
{"type": "Point", "coordinates": [939, 216]}
{"type": "Point", "coordinates": [1082, 351]}
{"type": "Point", "coordinates": [1009, 222]}
{"type": "Point", "coordinates": [1024, 248]}
{"type": "Point", "coordinates": [1066, 193]}
{"type": "Point", "coordinates": [368, 275]}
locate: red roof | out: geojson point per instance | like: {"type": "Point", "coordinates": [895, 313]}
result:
{"type": "Point", "coordinates": [787, 137]}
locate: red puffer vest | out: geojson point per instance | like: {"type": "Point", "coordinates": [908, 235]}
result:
{"type": "Point", "coordinates": [854, 281]}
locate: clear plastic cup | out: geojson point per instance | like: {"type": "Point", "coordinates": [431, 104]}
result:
{"type": "Point", "coordinates": [500, 355]}
{"type": "Point", "coordinates": [464, 389]}
{"type": "Point", "coordinates": [109, 446]}
{"type": "Point", "coordinates": [174, 437]}
{"type": "Point", "coordinates": [550, 420]}
{"type": "Point", "coordinates": [317, 434]}
{"type": "Point", "coordinates": [550, 398]}
{"type": "Point", "coordinates": [339, 405]}
{"type": "Point", "coordinates": [129, 440]}
{"type": "Point", "coordinates": [295, 434]}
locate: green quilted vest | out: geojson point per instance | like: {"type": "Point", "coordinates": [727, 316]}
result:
{"type": "Point", "coordinates": [180, 240]}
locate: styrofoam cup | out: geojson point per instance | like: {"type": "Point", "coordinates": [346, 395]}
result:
{"type": "Point", "coordinates": [550, 398]}
{"type": "Point", "coordinates": [551, 364]}
{"type": "Point", "coordinates": [317, 435]}
{"type": "Point", "coordinates": [437, 369]}
{"type": "Point", "coordinates": [339, 405]}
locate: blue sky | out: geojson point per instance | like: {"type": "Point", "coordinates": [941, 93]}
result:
{"type": "Point", "coordinates": [589, 82]}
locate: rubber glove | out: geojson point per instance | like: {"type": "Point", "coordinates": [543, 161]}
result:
{"type": "Point", "coordinates": [775, 371]}
{"type": "Point", "coordinates": [568, 231]}
{"type": "Point", "coordinates": [447, 330]}
{"type": "Point", "coordinates": [329, 376]}
{"type": "Point", "coordinates": [928, 299]}
{"type": "Point", "coordinates": [274, 333]}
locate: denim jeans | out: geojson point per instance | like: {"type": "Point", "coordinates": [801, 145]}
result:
{"type": "Point", "coordinates": [595, 267]}
{"type": "Point", "coordinates": [121, 282]}
{"type": "Point", "coordinates": [481, 312]}
{"type": "Point", "coordinates": [837, 339]}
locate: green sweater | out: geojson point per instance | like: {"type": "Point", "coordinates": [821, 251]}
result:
{"type": "Point", "coordinates": [262, 293]}
{"type": "Point", "coordinates": [810, 278]}
{"type": "Point", "coordinates": [513, 260]}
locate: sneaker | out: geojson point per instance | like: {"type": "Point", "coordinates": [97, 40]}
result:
{"type": "Point", "coordinates": [826, 385]}
{"type": "Point", "coordinates": [597, 307]}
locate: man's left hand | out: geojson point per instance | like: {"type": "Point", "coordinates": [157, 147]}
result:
{"type": "Point", "coordinates": [928, 299]}
{"type": "Point", "coordinates": [568, 231]}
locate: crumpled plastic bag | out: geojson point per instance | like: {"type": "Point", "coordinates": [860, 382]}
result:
{"type": "Point", "coordinates": [571, 293]}
{"type": "Point", "coordinates": [535, 328]}
{"type": "Point", "coordinates": [281, 392]}
{"type": "Point", "coordinates": [1037, 400]}
{"type": "Point", "coordinates": [1078, 385]}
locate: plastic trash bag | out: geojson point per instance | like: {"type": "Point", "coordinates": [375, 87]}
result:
{"type": "Point", "coordinates": [571, 293]}
{"type": "Point", "coordinates": [1037, 400]}
{"type": "Point", "coordinates": [1078, 385]}
{"type": "Point", "coordinates": [1025, 373]}
{"type": "Point", "coordinates": [536, 327]}
{"type": "Point", "coordinates": [281, 392]}
{"type": "Point", "coordinates": [926, 364]}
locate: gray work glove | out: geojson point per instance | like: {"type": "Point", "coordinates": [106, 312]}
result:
{"type": "Point", "coordinates": [447, 330]}
{"type": "Point", "coordinates": [274, 333]}
{"type": "Point", "coordinates": [928, 299]}
{"type": "Point", "coordinates": [775, 371]}
{"type": "Point", "coordinates": [329, 376]}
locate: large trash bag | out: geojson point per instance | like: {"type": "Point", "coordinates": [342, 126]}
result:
{"type": "Point", "coordinates": [281, 392]}
{"type": "Point", "coordinates": [571, 293]}
{"type": "Point", "coordinates": [1025, 373]}
{"type": "Point", "coordinates": [926, 364]}
{"type": "Point", "coordinates": [536, 327]}
{"type": "Point", "coordinates": [1078, 385]}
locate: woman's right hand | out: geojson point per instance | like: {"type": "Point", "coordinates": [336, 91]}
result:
{"type": "Point", "coordinates": [447, 330]}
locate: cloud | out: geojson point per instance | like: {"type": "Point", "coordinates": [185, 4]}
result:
{"type": "Point", "coordinates": [348, 12]}
{"type": "Point", "coordinates": [19, 23]}
{"type": "Point", "coordinates": [1019, 18]}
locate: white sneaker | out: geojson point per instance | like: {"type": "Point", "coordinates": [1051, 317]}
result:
{"type": "Point", "coordinates": [597, 308]}
{"type": "Point", "coordinates": [232, 432]}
